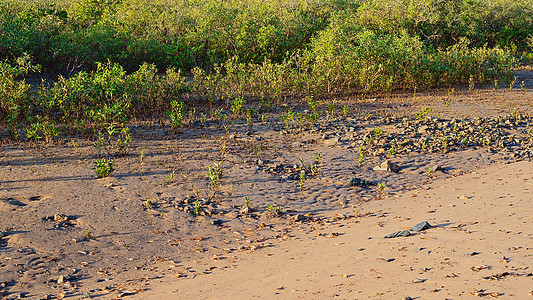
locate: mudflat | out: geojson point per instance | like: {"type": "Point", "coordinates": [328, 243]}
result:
{"type": "Point", "coordinates": [283, 208]}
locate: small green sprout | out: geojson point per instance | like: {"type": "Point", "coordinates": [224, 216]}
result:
{"type": "Point", "coordinates": [198, 209]}
{"type": "Point", "coordinates": [170, 178]}
{"type": "Point", "coordinates": [301, 179]}
{"type": "Point", "coordinates": [361, 159]}
{"type": "Point", "coordinates": [345, 111]}
{"type": "Point", "coordinates": [148, 204]}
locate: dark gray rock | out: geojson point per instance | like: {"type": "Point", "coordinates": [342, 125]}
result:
{"type": "Point", "coordinates": [354, 181]}
{"type": "Point", "coordinates": [216, 222]}
{"type": "Point", "coordinates": [421, 226]}
{"type": "Point", "coordinates": [403, 233]}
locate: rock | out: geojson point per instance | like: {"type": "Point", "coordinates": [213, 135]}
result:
{"type": "Point", "coordinates": [299, 218]}
{"type": "Point", "coordinates": [418, 280]}
{"type": "Point", "coordinates": [2, 234]}
{"type": "Point", "coordinates": [387, 165]}
{"type": "Point", "coordinates": [435, 168]}
{"type": "Point", "coordinates": [63, 278]}
{"type": "Point", "coordinates": [246, 210]}
{"type": "Point", "coordinates": [354, 181]}
{"type": "Point", "coordinates": [421, 226]}
{"type": "Point", "coordinates": [60, 218]}
{"type": "Point", "coordinates": [403, 233]}
{"type": "Point", "coordinates": [85, 296]}
{"type": "Point", "coordinates": [216, 222]}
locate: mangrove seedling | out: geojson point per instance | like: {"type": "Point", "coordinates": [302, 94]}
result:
{"type": "Point", "coordinates": [198, 209]}
{"type": "Point", "coordinates": [345, 111]}
{"type": "Point", "coordinates": [170, 178]}
{"type": "Point", "coordinates": [148, 204]}
{"type": "Point", "coordinates": [103, 167]}
{"type": "Point", "coordinates": [301, 179]}
{"type": "Point", "coordinates": [141, 155]}
{"type": "Point", "coordinates": [214, 175]}
{"type": "Point", "coordinates": [361, 159]}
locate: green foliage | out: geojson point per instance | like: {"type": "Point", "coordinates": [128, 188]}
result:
{"type": "Point", "coordinates": [273, 209]}
{"type": "Point", "coordinates": [113, 50]}
{"type": "Point", "coordinates": [176, 115]}
{"type": "Point", "coordinates": [314, 106]}
{"type": "Point", "coordinates": [443, 23]}
{"type": "Point", "coordinates": [170, 178]}
{"type": "Point", "coordinates": [188, 34]}
{"type": "Point", "coordinates": [15, 93]}
{"type": "Point", "coordinates": [287, 117]}
{"type": "Point", "coordinates": [112, 134]}
{"type": "Point", "coordinates": [301, 179]}
{"type": "Point", "coordinates": [345, 111]}
{"type": "Point", "coordinates": [361, 156]}
{"type": "Point", "coordinates": [198, 209]}
{"type": "Point", "coordinates": [46, 130]}
{"type": "Point", "coordinates": [424, 113]}
{"type": "Point", "coordinates": [250, 114]}
{"type": "Point", "coordinates": [237, 106]}
{"type": "Point", "coordinates": [148, 204]}
{"type": "Point", "coordinates": [377, 132]}
{"type": "Point", "coordinates": [214, 175]}
{"type": "Point", "coordinates": [103, 167]}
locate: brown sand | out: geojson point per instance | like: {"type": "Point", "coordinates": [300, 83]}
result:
{"type": "Point", "coordinates": [479, 206]}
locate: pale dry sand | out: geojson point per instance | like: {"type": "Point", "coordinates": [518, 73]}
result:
{"type": "Point", "coordinates": [481, 219]}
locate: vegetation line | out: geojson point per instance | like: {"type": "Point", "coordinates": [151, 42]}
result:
{"type": "Point", "coordinates": [112, 53]}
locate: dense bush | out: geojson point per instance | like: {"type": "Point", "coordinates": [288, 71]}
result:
{"type": "Point", "coordinates": [65, 35]}
{"type": "Point", "coordinates": [109, 52]}
{"type": "Point", "coordinates": [502, 23]}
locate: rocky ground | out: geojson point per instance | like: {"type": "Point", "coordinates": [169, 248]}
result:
{"type": "Point", "coordinates": [159, 218]}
